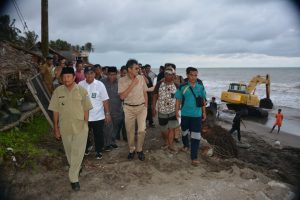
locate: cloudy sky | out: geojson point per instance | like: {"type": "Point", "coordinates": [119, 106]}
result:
{"type": "Point", "coordinates": [202, 33]}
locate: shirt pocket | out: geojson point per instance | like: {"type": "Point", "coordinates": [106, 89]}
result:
{"type": "Point", "coordinates": [61, 104]}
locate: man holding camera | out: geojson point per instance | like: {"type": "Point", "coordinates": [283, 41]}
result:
{"type": "Point", "coordinates": [190, 98]}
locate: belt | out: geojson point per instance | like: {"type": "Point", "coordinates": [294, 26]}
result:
{"type": "Point", "coordinates": [134, 105]}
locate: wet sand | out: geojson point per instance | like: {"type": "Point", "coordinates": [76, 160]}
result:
{"type": "Point", "coordinates": [262, 130]}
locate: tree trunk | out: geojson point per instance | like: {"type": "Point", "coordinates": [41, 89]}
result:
{"type": "Point", "coordinates": [44, 29]}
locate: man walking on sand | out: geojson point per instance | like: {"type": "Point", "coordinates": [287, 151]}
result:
{"type": "Point", "coordinates": [191, 98]}
{"type": "Point", "coordinates": [236, 125]}
{"type": "Point", "coordinates": [100, 113]}
{"type": "Point", "coordinates": [70, 104]}
{"type": "Point", "coordinates": [133, 90]}
{"type": "Point", "coordinates": [278, 122]}
{"type": "Point", "coordinates": [164, 96]}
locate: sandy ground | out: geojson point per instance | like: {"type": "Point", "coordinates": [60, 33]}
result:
{"type": "Point", "coordinates": [259, 172]}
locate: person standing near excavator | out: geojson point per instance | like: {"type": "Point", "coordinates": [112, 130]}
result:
{"type": "Point", "coordinates": [278, 122]}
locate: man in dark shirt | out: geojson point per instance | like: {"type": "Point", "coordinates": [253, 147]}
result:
{"type": "Point", "coordinates": [149, 85]}
{"type": "Point", "coordinates": [236, 125]}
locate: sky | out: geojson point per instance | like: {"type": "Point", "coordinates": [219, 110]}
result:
{"type": "Point", "coordinates": [199, 33]}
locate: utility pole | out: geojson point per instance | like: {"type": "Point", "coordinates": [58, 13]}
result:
{"type": "Point", "coordinates": [44, 28]}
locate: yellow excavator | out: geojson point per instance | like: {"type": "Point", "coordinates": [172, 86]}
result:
{"type": "Point", "coordinates": [241, 97]}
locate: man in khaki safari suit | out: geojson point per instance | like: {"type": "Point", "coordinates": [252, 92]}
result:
{"type": "Point", "coordinates": [133, 90]}
{"type": "Point", "coordinates": [70, 104]}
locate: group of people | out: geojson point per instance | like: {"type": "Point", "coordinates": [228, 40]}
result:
{"type": "Point", "coordinates": [89, 99]}
{"type": "Point", "coordinates": [115, 104]}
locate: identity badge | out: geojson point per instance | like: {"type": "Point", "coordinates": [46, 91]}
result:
{"type": "Point", "coordinates": [93, 95]}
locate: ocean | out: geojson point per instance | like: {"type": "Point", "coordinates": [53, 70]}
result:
{"type": "Point", "coordinates": [285, 89]}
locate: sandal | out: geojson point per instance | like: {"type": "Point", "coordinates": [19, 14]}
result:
{"type": "Point", "coordinates": [195, 163]}
{"type": "Point", "coordinates": [184, 149]}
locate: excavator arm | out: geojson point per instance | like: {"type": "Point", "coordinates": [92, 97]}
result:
{"type": "Point", "coordinates": [259, 80]}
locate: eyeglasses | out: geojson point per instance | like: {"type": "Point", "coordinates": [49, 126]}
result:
{"type": "Point", "coordinates": [136, 68]}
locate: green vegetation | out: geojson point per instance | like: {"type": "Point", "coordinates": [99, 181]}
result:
{"type": "Point", "coordinates": [25, 141]}
{"type": "Point", "coordinates": [8, 32]}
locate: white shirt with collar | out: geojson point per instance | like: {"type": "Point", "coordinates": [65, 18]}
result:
{"type": "Point", "coordinates": [97, 93]}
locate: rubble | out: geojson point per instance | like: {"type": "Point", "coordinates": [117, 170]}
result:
{"type": "Point", "coordinates": [16, 66]}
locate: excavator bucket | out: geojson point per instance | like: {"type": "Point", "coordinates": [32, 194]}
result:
{"type": "Point", "coordinates": [266, 103]}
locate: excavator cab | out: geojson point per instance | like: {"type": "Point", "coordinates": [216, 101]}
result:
{"type": "Point", "coordinates": [237, 87]}
{"type": "Point", "coordinates": [240, 96]}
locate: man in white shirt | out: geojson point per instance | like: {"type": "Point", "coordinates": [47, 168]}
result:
{"type": "Point", "coordinates": [100, 112]}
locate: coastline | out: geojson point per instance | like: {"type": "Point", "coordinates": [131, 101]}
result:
{"type": "Point", "coordinates": [262, 131]}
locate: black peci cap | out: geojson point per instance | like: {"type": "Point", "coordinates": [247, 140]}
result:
{"type": "Point", "coordinates": [89, 69]}
{"type": "Point", "coordinates": [67, 70]}
{"type": "Point", "coordinates": [112, 69]}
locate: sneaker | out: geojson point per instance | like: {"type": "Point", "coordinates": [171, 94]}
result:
{"type": "Point", "coordinates": [114, 146]}
{"type": "Point", "coordinates": [99, 156]}
{"type": "Point", "coordinates": [141, 156]}
{"type": "Point", "coordinates": [131, 156]}
{"type": "Point", "coordinates": [107, 148]}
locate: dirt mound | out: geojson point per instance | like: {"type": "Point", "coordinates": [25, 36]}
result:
{"type": "Point", "coordinates": [222, 141]}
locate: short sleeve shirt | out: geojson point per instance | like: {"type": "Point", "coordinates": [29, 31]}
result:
{"type": "Point", "coordinates": [71, 106]}
{"type": "Point", "coordinates": [166, 97]}
{"type": "Point", "coordinates": [189, 107]}
{"type": "Point", "coordinates": [136, 95]}
{"type": "Point", "coordinates": [97, 93]}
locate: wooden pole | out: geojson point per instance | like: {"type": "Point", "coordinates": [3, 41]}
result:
{"type": "Point", "coordinates": [44, 29]}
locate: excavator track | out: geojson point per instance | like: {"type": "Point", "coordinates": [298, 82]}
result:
{"type": "Point", "coordinates": [248, 111]}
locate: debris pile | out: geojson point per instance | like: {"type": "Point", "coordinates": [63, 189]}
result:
{"type": "Point", "coordinates": [223, 143]}
{"type": "Point", "coordinates": [16, 66]}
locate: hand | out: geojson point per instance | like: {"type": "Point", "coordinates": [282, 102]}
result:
{"type": "Point", "coordinates": [57, 134]}
{"type": "Point", "coordinates": [153, 112]}
{"type": "Point", "coordinates": [203, 116]}
{"type": "Point", "coordinates": [107, 119]}
{"type": "Point", "coordinates": [135, 81]}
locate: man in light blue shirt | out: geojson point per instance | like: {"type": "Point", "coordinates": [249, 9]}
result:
{"type": "Point", "coordinates": [190, 98]}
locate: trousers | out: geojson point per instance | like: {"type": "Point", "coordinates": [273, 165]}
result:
{"type": "Point", "coordinates": [133, 114]}
{"type": "Point", "coordinates": [74, 145]}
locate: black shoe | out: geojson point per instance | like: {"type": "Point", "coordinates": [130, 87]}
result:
{"type": "Point", "coordinates": [141, 156]}
{"type": "Point", "coordinates": [131, 156]}
{"type": "Point", "coordinates": [151, 125]}
{"type": "Point", "coordinates": [75, 186]}
{"type": "Point", "coordinates": [107, 148]}
{"type": "Point", "coordinates": [114, 146]}
{"type": "Point", "coordinates": [99, 156]}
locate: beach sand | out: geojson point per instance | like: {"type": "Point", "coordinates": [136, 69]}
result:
{"type": "Point", "coordinates": [263, 171]}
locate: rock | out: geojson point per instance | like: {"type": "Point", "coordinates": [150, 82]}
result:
{"type": "Point", "coordinates": [207, 151]}
{"type": "Point", "coordinates": [14, 115]}
{"type": "Point", "coordinates": [4, 117]}
{"type": "Point", "coordinates": [27, 106]}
